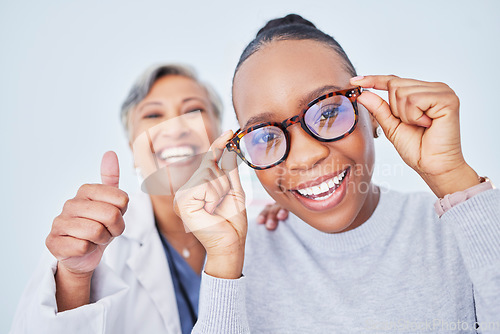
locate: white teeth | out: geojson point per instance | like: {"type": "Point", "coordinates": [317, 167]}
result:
{"type": "Point", "coordinates": [176, 153]}
{"type": "Point", "coordinates": [316, 190]}
{"type": "Point", "coordinates": [333, 183]}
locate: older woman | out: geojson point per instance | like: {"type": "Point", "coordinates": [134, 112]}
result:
{"type": "Point", "coordinates": [138, 272]}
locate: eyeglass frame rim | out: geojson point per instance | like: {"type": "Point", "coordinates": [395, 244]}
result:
{"type": "Point", "coordinates": [234, 143]}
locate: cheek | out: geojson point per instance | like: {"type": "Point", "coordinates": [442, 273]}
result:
{"type": "Point", "coordinates": [211, 126]}
{"type": "Point", "coordinates": [268, 178]}
{"type": "Point", "coordinates": [362, 146]}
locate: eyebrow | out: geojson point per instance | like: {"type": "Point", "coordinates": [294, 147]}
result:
{"type": "Point", "coordinates": [149, 104]}
{"type": "Point", "coordinates": [311, 96]}
{"type": "Point", "coordinates": [304, 101]}
{"type": "Point", "coordinates": [156, 103]}
{"type": "Point", "coordinates": [260, 118]}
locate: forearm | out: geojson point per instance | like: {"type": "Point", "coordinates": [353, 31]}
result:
{"type": "Point", "coordinates": [72, 290]}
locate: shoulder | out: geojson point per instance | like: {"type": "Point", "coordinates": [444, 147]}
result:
{"type": "Point", "coordinates": [416, 220]}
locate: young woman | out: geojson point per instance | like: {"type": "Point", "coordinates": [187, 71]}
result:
{"type": "Point", "coordinates": [147, 279]}
{"type": "Point", "coordinates": [352, 257]}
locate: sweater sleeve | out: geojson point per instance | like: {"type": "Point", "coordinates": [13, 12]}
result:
{"type": "Point", "coordinates": [476, 225]}
{"type": "Point", "coordinates": [37, 310]}
{"type": "Point", "coordinates": [222, 306]}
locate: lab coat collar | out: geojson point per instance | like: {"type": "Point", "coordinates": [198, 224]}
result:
{"type": "Point", "coordinates": [149, 262]}
{"type": "Point", "coordinates": [139, 218]}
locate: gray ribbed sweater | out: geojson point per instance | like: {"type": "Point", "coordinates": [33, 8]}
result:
{"type": "Point", "coordinates": [403, 270]}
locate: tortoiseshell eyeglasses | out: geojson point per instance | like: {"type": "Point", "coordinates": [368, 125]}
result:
{"type": "Point", "coordinates": [328, 118]}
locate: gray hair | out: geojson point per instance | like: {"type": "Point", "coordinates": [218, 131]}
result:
{"type": "Point", "coordinates": [145, 82]}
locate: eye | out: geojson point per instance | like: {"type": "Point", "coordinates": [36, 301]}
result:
{"type": "Point", "coordinates": [266, 136]}
{"type": "Point", "coordinates": [328, 113]}
{"type": "Point", "coordinates": [152, 115]}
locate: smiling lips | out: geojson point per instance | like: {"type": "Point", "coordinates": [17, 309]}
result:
{"type": "Point", "coordinates": [324, 189]}
{"type": "Point", "coordinates": [323, 193]}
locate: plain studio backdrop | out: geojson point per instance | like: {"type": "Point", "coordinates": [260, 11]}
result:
{"type": "Point", "coordinates": [66, 66]}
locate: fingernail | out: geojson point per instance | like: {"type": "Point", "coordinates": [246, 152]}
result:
{"type": "Point", "coordinates": [281, 213]}
{"type": "Point", "coordinates": [357, 78]}
{"type": "Point", "coordinates": [225, 133]}
{"type": "Point", "coordinates": [261, 219]}
{"type": "Point", "coordinates": [270, 223]}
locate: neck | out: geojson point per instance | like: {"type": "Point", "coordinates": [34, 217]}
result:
{"type": "Point", "coordinates": [172, 228]}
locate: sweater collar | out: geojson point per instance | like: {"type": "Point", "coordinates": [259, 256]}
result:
{"type": "Point", "coordinates": [374, 230]}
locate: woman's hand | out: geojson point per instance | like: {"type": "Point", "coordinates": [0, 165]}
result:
{"type": "Point", "coordinates": [86, 226]}
{"type": "Point", "coordinates": [271, 215]}
{"type": "Point", "coordinates": [422, 122]}
{"type": "Point", "coordinates": [212, 206]}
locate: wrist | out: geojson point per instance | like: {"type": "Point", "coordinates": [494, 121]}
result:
{"type": "Point", "coordinates": [72, 289]}
{"type": "Point", "coordinates": [71, 278]}
{"type": "Point", "coordinates": [227, 266]}
{"type": "Point", "coordinates": [458, 179]}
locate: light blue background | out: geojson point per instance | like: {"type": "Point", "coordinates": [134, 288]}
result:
{"type": "Point", "coordinates": [65, 67]}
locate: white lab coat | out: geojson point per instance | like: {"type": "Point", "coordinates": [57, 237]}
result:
{"type": "Point", "coordinates": [131, 291]}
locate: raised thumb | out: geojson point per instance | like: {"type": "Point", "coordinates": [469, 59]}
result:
{"type": "Point", "coordinates": [110, 170]}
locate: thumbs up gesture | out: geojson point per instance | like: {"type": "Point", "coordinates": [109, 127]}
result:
{"type": "Point", "coordinates": [89, 222]}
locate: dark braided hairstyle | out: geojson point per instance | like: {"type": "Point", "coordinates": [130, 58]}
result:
{"type": "Point", "coordinates": [293, 27]}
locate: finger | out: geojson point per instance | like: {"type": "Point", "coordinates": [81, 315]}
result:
{"type": "Point", "coordinates": [261, 218]}
{"type": "Point", "coordinates": [82, 228]}
{"type": "Point", "coordinates": [108, 215]}
{"type": "Point", "coordinates": [405, 98]}
{"type": "Point", "coordinates": [217, 147]}
{"type": "Point", "coordinates": [432, 104]}
{"type": "Point", "coordinates": [282, 214]}
{"type": "Point", "coordinates": [219, 181]}
{"type": "Point", "coordinates": [212, 198]}
{"type": "Point", "coordinates": [104, 193]}
{"type": "Point", "coordinates": [271, 224]}
{"type": "Point", "coordinates": [381, 111]}
{"type": "Point", "coordinates": [384, 82]}
{"type": "Point", "coordinates": [110, 169]}
{"type": "Point", "coordinates": [273, 211]}
{"type": "Point", "coordinates": [229, 165]}
{"type": "Point", "coordinates": [66, 247]}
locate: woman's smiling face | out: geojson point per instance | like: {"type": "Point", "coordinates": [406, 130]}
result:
{"type": "Point", "coordinates": [276, 83]}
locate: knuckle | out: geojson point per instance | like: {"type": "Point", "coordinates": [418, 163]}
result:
{"type": "Point", "coordinates": [124, 199]}
{"type": "Point", "coordinates": [49, 242]}
{"type": "Point", "coordinates": [100, 233]}
{"type": "Point", "coordinates": [113, 214]}
{"type": "Point", "coordinates": [83, 246]}
{"type": "Point", "coordinates": [68, 206]}
{"type": "Point", "coordinates": [392, 84]}
{"type": "Point", "coordinates": [120, 227]}
{"type": "Point", "coordinates": [85, 188]}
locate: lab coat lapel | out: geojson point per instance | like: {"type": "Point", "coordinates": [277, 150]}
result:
{"type": "Point", "coordinates": [149, 263]}
{"type": "Point", "coordinates": [150, 266]}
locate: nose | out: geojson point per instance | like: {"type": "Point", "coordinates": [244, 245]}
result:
{"type": "Point", "coordinates": [174, 128]}
{"type": "Point", "coordinates": [305, 151]}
